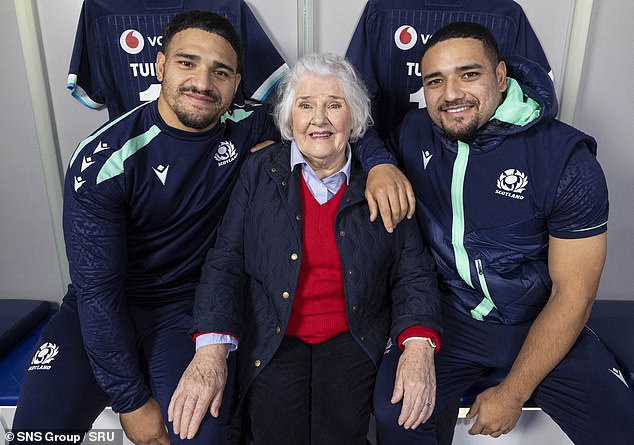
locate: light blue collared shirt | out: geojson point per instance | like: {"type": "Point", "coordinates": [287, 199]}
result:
{"type": "Point", "coordinates": [321, 189]}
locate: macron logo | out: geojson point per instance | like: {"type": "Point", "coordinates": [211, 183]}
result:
{"type": "Point", "coordinates": [426, 158]}
{"type": "Point", "coordinates": [161, 173]}
{"type": "Point", "coordinates": [619, 375]}
{"type": "Point", "coordinates": [101, 146]}
{"type": "Point", "coordinates": [388, 346]}
{"type": "Point", "coordinates": [86, 162]}
{"type": "Point", "coordinates": [79, 181]}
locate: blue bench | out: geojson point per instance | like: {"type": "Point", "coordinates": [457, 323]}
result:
{"type": "Point", "coordinates": [21, 323]}
{"type": "Point", "coordinates": [611, 320]}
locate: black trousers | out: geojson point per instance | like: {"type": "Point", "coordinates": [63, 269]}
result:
{"type": "Point", "coordinates": [313, 394]}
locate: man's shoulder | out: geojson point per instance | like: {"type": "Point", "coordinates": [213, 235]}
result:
{"type": "Point", "coordinates": [416, 122]}
{"type": "Point", "coordinates": [246, 114]}
{"type": "Point", "coordinates": [558, 136]}
{"type": "Point", "coordinates": [101, 155]}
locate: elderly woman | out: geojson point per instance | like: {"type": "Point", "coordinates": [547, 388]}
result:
{"type": "Point", "coordinates": [312, 289]}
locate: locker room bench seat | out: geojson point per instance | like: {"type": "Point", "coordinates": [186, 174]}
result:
{"type": "Point", "coordinates": [21, 322]}
{"type": "Point", "coordinates": [611, 320]}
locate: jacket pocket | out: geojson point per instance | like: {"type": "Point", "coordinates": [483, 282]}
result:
{"type": "Point", "coordinates": [486, 305]}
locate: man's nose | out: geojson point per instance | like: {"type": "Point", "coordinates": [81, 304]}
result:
{"type": "Point", "coordinates": [203, 80]}
{"type": "Point", "coordinates": [453, 90]}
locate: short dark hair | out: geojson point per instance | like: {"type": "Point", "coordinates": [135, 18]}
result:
{"type": "Point", "coordinates": [207, 21]}
{"type": "Point", "coordinates": [466, 30]}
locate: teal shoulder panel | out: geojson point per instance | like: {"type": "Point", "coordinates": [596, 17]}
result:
{"type": "Point", "coordinates": [114, 165]}
{"type": "Point", "coordinates": [95, 135]}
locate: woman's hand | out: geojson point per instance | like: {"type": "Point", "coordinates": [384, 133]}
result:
{"type": "Point", "coordinates": [415, 384]}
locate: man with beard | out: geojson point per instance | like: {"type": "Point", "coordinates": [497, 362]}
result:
{"type": "Point", "coordinates": [144, 196]}
{"type": "Point", "coordinates": [514, 206]}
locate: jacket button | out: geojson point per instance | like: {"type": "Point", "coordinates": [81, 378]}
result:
{"type": "Point", "coordinates": [277, 330]}
{"type": "Point", "coordinates": [285, 295]}
{"type": "Point", "coordinates": [273, 170]}
{"type": "Point", "coordinates": [361, 338]}
{"type": "Point", "coordinates": [350, 272]}
{"type": "Point", "coordinates": [342, 233]}
{"type": "Point", "coordinates": [354, 308]}
{"type": "Point", "coordinates": [298, 217]}
{"type": "Point", "coordinates": [257, 363]}
{"type": "Point", "coordinates": [283, 183]}
{"type": "Point", "coordinates": [294, 256]}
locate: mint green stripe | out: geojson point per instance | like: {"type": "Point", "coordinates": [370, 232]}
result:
{"type": "Point", "coordinates": [114, 165]}
{"type": "Point", "coordinates": [94, 136]}
{"type": "Point", "coordinates": [457, 209]}
{"type": "Point", "coordinates": [590, 228]}
{"type": "Point", "coordinates": [486, 305]}
{"type": "Point", "coordinates": [235, 115]}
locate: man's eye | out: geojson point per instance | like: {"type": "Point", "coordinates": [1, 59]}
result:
{"type": "Point", "coordinates": [470, 75]}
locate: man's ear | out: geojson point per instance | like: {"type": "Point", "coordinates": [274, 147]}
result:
{"type": "Point", "coordinates": [238, 79]}
{"type": "Point", "coordinates": [500, 74]}
{"type": "Point", "coordinates": [160, 65]}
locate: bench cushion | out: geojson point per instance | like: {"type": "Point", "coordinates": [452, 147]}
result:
{"type": "Point", "coordinates": [17, 318]}
{"type": "Point", "coordinates": [21, 322]}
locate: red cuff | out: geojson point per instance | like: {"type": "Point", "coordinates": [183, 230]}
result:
{"type": "Point", "coordinates": [198, 334]}
{"type": "Point", "coordinates": [418, 331]}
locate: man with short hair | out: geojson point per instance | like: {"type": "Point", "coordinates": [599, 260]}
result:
{"type": "Point", "coordinates": [514, 206]}
{"type": "Point", "coordinates": [144, 196]}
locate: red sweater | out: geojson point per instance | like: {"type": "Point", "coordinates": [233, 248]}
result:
{"type": "Point", "coordinates": [319, 308]}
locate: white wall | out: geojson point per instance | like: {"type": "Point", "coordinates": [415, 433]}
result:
{"type": "Point", "coordinates": [28, 262]}
{"type": "Point", "coordinates": [605, 109]}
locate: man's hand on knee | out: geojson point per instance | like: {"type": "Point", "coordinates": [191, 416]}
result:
{"type": "Point", "coordinates": [200, 390]}
{"type": "Point", "coordinates": [496, 412]}
{"type": "Point", "coordinates": [145, 425]}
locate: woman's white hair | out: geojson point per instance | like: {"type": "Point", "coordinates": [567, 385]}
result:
{"type": "Point", "coordinates": [326, 64]}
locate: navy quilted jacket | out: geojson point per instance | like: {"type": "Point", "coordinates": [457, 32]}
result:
{"type": "Point", "coordinates": [249, 279]}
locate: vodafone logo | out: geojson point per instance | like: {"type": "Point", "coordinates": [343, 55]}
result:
{"type": "Point", "coordinates": [405, 37]}
{"type": "Point", "coordinates": [131, 41]}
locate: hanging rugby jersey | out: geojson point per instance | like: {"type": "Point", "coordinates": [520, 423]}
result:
{"type": "Point", "coordinates": [389, 38]}
{"type": "Point", "coordinates": [113, 60]}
